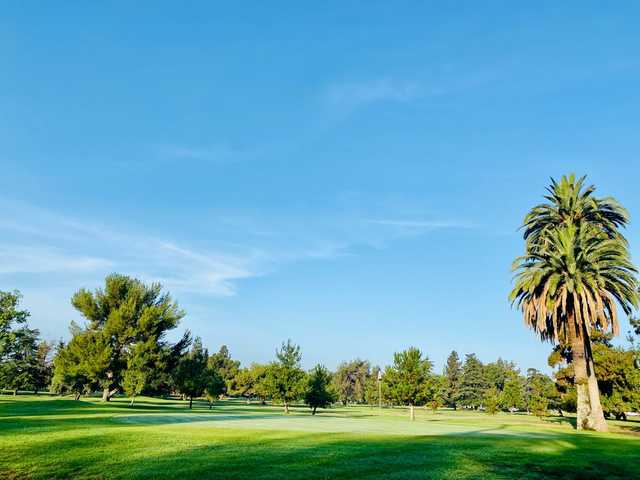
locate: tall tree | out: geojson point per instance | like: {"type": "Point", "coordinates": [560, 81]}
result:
{"type": "Point", "coordinates": [319, 393]}
{"type": "Point", "coordinates": [512, 397]}
{"type": "Point", "coordinates": [19, 346]}
{"type": "Point", "coordinates": [576, 267]}
{"type": "Point", "coordinates": [248, 382]}
{"type": "Point", "coordinates": [226, 367]}
{"type": "Point", "coordinates": [408, 378]}
{"type": "Point", "coordinates": [373, 387]}
{"type": "Point", "coordinates": [540, 393]}
{"type": "Point", "coordinates": [438, 391]}
{"type": "Point", "coordinates": [472, 382]}
{"type": "Point", "coordinates": [214, 386]}
{"type": "Point", "coordinates": [125, 318]}
{"type": "Point", "coordinates": [350, 381]}
{"type": "Point", "coordinates": [497, 373]}
{"type": "Point", "coordinates": [452, 373]}
{"type": "Point", "coordinates": [191, 377]}
{"type": "Point", "coordinates": [285, 378]}
{"type": "Point", "coordinates": [43, 366]}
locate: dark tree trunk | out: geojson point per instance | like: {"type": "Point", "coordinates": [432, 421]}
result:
{"type": "Point", "coordinates": [314, 411]}
{"type": "Point", "coordinates": [190, 403]}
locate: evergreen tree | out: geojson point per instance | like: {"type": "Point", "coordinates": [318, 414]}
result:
{"type": "Point", "coordinates": [452, 373]}
{"type": "Point", "coordinates": [226, 367]}
{"type": "Point", "coordinates": [438, 391]}
{"type": "Point", "coordinates": [214, 386]}
{"type": "Point", "coordinates": [408, 378]}
{"type": "Point", "coordinates": [512, 397]}
{"type": "Point", "coordinates": [319, 393]}
{"type": "Point", "coordinates": [126, 318]}
{"type": "Point", "coordinates": [192, 374]}
{"type": "Point", "coordinates": [472, 383]}
{"type": "Point", "coordinates": [20, 353]}
{"type": "Point", "coordinates": [284, 380]}
{"type": "Point", "coordinates": [497, 373]}
{"type": "Point", "coordinates": [491, 399]}
{"type": "Point", "coordinates": [540, 393]}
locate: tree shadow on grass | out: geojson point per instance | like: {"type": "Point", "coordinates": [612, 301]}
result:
{"type": "Point", "coordinates": [260, 455]}
{"type": "Point", "coordinates": [561, 421]}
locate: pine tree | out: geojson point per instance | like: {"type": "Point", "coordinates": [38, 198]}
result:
{"type": "Point", "coordinates": [452, 373]}
{"type": "Point", "coordinates": [319, 393]}
{"type": "Point", "coordinates": [472, 383]}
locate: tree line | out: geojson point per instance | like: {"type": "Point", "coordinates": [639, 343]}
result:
{"type": "Point", "coordinates": [122, 349]}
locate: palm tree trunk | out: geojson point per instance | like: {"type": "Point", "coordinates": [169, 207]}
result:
{"type": "Point", "coordinates": [597, 415]}
{"type": "Point", "coordinates": [286, 407]}
{"type": "Point", "coordinates": [581, 378]}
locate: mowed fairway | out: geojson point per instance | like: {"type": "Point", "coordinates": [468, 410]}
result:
{"type": "Point", "coordinates": [42, 437]}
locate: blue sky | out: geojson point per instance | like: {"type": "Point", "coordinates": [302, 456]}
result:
{"type": "Point", "coordinates": [351, 175]}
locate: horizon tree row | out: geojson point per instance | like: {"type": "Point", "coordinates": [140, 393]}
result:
{"type": "Point", "coordinates": [122, 348]}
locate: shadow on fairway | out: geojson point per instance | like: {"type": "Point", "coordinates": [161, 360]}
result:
{"type": "Point", "coordinates": [277, 455]}
{"type": "Point", "coordinates": [61, 438]}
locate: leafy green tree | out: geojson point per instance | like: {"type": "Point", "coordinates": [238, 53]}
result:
{"type": "Point", "coordinates": [618, 379]}
{"type": "Point", "coordinates": [285, 379]}
{"type": "Point", "coordinates": [226, 367]}
{"type": "Point", "coordinates": [491, 400]}
{"type": "Point", "coordinates": [512, 397]}
{"type": "Point", "coordinates": [248, 382]}
{"type": "Point", "coordinates": [497, 373]}
{"type": "Point", "coordinates": [214, 386]}
{"type": "Point", "coordinates": [472, 383]}
{"type": "Point", "coordinates": [244, 383]}
{"type": "Point", "coordinates": [540, 393]}
{"type": "Point", "coordinates": [192, 374]}
{"type": "Point", "coordinates": [438, 391]}
{"type": "Point", "coordinates": [453, 373]}
{"type": "Point", "coordinates": [408, 378]}
{"type": "Point", "coordinates": [350, 381]}
{"type": "Point", "coordinates": [43, 366]}
{"type": "Point", "coordinates": [19, 346]}
{"type": "Point", "coordinates": [11, 318]}
{"type": "Point", "coordinates": [319, 392]}
{"type": "Point", "coordinates": [133, 382]}
{"type": "Point", "coordinates": [563, 377]}
{"type": "Point", "coordinates": [575, 269]}
{"type": "Point", "coordinates": [373, 387]}
{"type": "Point", "coordinates": [125, 318]}
{"type": "Point", "coordinates": [69, 376]}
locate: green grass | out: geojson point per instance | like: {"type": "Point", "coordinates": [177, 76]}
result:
{"type": "Point", "coordinates": [48, 437]}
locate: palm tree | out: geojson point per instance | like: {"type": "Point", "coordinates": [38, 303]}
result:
{"type": "Point", "coordinates": [575, 272]}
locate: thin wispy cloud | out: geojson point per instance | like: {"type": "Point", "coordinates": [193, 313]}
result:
{"type": "Point", "coordinates": [211, 154]}
{"type": "Point", "coordinates": [45, 242]}
{"type": "Point", "coordinates": [41, 259]}
{"type": "Point", "coordinates": [356, 94]}
{"type": "Point", "coordinates": [424, 224]}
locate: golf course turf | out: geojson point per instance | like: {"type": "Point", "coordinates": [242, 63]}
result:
{"type": "Point", "coordinates": [45, 437]}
